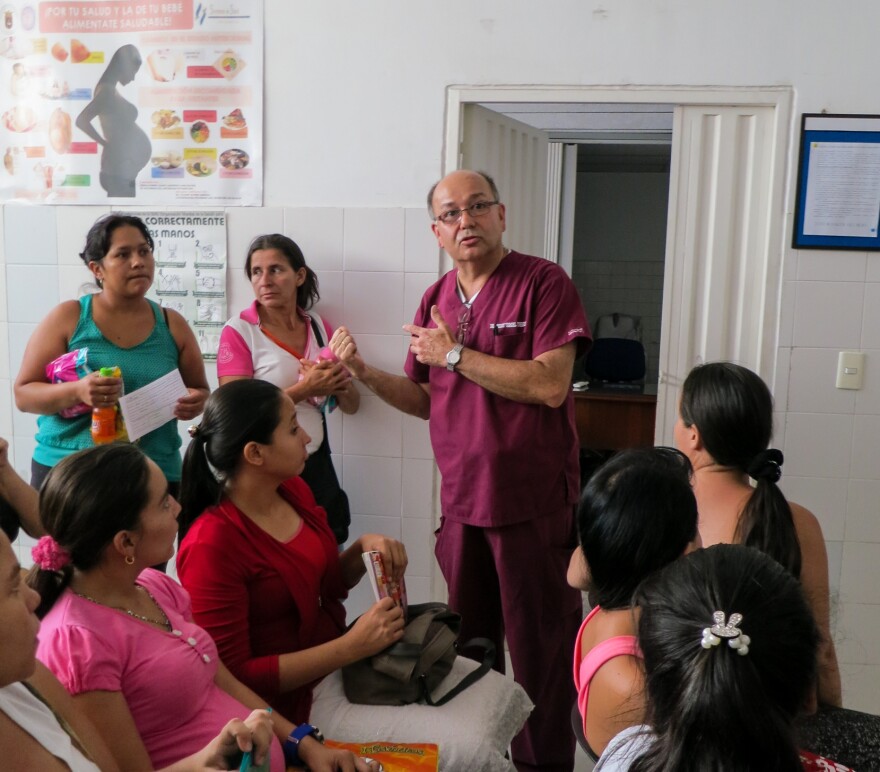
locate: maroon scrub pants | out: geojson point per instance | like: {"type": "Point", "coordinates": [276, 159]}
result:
{"type": "Point", "coordinates": [510, 582]}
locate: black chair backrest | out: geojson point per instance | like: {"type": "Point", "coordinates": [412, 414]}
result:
{"type": "Point", "coordinates": [615, 359]}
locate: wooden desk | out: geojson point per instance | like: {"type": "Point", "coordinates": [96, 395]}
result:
{"type": "Point", "coordinates": [615, 420]}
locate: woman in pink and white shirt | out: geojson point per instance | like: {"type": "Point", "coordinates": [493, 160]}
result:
{"type": "Point", "coordinates": [275, 339]}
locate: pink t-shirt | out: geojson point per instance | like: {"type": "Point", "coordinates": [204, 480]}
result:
{"type": "Point", "coordinates": [166, 678]}
{"type": "Point", "coordinates": [246, 350]}
{"type": "Point", "coordinates": [504, 462]}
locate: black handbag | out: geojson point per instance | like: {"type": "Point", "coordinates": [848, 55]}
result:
{"type": "Point", "coordinates": [411, 669]}
{"type": "Point", "coordinates": [320, 475]}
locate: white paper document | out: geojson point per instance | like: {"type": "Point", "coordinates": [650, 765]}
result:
{"type": "Point", "coordinates": [843, 189]}
{"type": "Point", "coordinates": [153, 405]}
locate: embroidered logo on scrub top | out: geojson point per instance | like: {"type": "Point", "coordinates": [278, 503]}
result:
{"type": "Point", "coordinates": [499, 327]}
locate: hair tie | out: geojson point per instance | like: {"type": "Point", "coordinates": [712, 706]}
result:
{"type": "Point", "coordinates": [49, 555]}
{"type": "Point", "coordinates": [193, 430]}
{"type": "Point", "coordinates": [735, 638]}
{"type": "Point", "coordinates": [215, 472]}
{"type": "Point", "coordinates": [767, 465]}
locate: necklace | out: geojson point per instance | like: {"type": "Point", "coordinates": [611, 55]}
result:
{"type": "Point", "coordinates": [163, 622]}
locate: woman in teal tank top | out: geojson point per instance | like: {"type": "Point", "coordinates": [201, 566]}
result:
{"type": "Point", "coordinates": [120, 326]}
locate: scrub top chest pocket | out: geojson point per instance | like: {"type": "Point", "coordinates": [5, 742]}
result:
{"type": "Point", "coordinates": [509, 339]}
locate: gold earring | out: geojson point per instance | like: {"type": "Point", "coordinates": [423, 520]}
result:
{"type": "Point", "coordinates": [129, 560]}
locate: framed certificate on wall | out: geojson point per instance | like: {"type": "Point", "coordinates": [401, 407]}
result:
{"type": "Point", "coordinates": [838, 184]}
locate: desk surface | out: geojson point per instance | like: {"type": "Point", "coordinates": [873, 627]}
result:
{"type": "Point", "coordinates": [611, 419]}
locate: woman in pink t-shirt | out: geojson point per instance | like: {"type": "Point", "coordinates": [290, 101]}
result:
{"type": "Point", "coordinates": [119, 635]}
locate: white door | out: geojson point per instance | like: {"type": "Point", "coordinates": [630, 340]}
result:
{"type": "Point", "coordinates": [515, 155]}
{"type": "Point", "coordinates": [723, 252]}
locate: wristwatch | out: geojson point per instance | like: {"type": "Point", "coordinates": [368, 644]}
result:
{"type": "Point", "coordinates": [454, 357]}
{"type": "Point", "coordinates": [291, 744]}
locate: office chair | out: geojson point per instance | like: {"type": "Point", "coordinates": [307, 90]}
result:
{"type": "Point", "coordinates": [615, 361]}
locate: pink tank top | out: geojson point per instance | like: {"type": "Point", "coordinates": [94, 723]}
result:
{"type": "Point", "coordinates": [586, 668]}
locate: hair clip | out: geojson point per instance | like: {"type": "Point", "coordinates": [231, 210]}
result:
{"type": "Point", "coordinates": [193, 430]}
{"type": "Point", "coordinates": [215, 472]}
{"type": "Point", "coordinates": [736, 639]}
{"type": "Point", "coordinates": [49, 555]}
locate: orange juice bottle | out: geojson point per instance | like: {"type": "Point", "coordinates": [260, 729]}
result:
{"type": "Point", "coordinates": [104, 418]}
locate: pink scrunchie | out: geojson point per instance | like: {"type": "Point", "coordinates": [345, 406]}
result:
{"type": "Point", "coordinates": [49, 555]}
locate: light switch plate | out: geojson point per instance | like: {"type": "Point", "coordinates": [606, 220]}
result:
{"type": "Point", "coordinates": [850, 369]}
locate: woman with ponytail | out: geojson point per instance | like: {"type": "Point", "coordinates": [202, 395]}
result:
{"type": "Point", "coordinates": [120, 636]}
{"type": "Point", "coordinates": [725, 425]}
{"type": "Point", "coordinates": [729, 646]}
{"type": "Point", "coordinates": [259, 559]}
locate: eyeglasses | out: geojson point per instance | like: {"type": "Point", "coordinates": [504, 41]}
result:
{"type": "Point", "coordinates": [452, 216]}
{"type": "Point", "coordinates": [463, 319]}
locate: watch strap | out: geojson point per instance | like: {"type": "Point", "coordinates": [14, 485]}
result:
{"type": "Point", "coordinates": [291, 744]}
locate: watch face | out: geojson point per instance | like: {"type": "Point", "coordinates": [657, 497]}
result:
{"type": "Point", "coordinates": [453, 357]}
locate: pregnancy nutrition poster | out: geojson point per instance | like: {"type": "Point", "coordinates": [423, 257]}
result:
{"type": "Point", "coordinates": [130, 102]}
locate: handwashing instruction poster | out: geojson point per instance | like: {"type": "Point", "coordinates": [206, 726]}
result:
{"type": "Point", "coordinates": [123, 101]}
{"type": "Point", "coordinates": [190, 277]}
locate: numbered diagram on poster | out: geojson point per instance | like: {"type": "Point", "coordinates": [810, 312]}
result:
{"type": "Point", "coordinates": [190, 250]}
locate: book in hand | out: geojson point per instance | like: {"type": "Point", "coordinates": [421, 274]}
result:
{"type": "Point", "coordinates": [382, 584]}
{"type": "Point", "coordinates": [395, 757]}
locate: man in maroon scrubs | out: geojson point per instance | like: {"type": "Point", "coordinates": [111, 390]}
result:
{"type": "Point", "coordinates": [490, 363]}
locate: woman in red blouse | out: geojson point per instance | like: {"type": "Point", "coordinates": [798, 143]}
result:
{"type": "Point", "coordinates": [260, 562]}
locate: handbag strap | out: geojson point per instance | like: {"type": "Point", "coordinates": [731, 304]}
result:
{"type": "Point", "coordinates": [471, 678]}
{"type": "Point", "coordinates": [321, 337]}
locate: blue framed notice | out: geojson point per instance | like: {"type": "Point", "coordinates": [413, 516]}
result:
{"type": "Point", "coordinates": [838, 190]}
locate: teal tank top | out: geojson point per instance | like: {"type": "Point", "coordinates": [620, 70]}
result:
{"type": "Point", "coordinates": [58, 437]}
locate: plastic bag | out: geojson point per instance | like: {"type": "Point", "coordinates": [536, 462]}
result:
{"type": "Point", "coordinates": [70, 367]}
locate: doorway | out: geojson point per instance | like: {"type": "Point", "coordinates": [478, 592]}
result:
{"type": "Point", "coordinates": [724, 242]}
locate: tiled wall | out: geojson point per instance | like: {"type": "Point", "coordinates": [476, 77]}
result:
{"type": "Point", "coordinates": [619, 249]}
{"type": "Point", "coordinates": [373, 266]}
{"type": "Point", "coordinates": [632, 286]}
{"type": "Point", "coordinates": [831, 440]}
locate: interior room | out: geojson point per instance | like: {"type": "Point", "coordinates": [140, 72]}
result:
{"type": "Point", "coordinates": [362, 113]}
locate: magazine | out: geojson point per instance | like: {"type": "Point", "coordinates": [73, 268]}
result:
{"type": "Point", "coordinates": [382, 584]}
{"type": "Point", "coordinates": [395, 757]}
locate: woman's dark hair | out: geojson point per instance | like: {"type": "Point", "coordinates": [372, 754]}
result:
{"type": "Point", "coordinates": [307, 293]}
{"type": "Point", "coordinates": [636, 514]}
{"type": "Point", "coordinates": [237, 413]}
{"type": "Point", "coordinates": [86, 500]}
{"type": "Point", "coordinates": [713, 708]}
{"type": "Point", "coordinates": [733, 410]}
{"type": "Point", "coordinates": [100, 236]}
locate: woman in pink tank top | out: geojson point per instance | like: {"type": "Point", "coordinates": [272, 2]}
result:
{"type": "Point", "coordinates": [636, 515]}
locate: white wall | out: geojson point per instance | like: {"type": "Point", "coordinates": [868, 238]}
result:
{"type": "Point", "coordinates": [355, 96]}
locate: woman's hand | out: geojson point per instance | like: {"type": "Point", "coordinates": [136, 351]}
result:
{"type": "Point", "coordinates": [322, 378]}
{"type": "Point", "coordinates": [254, 734]}
{"type": "Point", "coordinates": [97, 391]}
{"type": "Point", "coordinates": [393, 553]}
{"type": "Point", "coordinates": [376, 629]}
{"type": "Point", "coordinates": [191, 405]}
{"type": "Point", "coordinates": [319, 758]}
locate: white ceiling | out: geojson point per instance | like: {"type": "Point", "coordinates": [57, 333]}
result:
{"type": "Point", "coordinates": [593, 121]}
{"type": "Point", "coordinates": [610, 137]}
